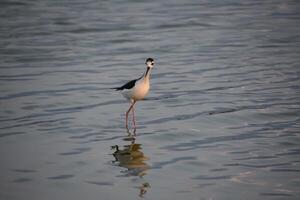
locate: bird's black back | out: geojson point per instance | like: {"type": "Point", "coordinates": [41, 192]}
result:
{"type": "Point", "coordinates": [128, 85]}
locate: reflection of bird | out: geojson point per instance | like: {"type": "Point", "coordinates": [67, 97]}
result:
{"type": "Point", "coordinates": [137, 89]}
{"type": "Point", "coordinates": [132, 158]}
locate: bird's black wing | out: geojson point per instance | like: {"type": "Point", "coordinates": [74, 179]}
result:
{"type": "Point", "coordinates": [128, 85]}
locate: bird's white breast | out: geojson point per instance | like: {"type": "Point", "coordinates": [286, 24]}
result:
{"type": "Point", "coordinates": [139, 91]}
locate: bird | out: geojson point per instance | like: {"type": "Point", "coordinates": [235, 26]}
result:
{"type": "Point", "coordinates": [136, 90]}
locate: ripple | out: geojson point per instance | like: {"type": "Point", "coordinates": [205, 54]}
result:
{"type": "Point", "coordinates": [76, 151]}
{"type": "Point", "coordinates": [11, 134]}
{"type": "Point", "coordinates": [99, 183]}
{"type": "Point", "coordinates": [22, 180]}
{"type": "Point", "coordinates": [211, 140]}
{"type": "Point", "coordinates": [38, 122]}
{"type": "Point", "coordinates": [78, 108]}
{"type": "Point", "coordinates": [205, 177]}
{"type": "Point", "coordinates": [259, 166]}
{"type": "Point", "coordinates": [276, 194]}
{"type": "Point", "coordinates": [25, 170]}
{"type": "Point", "coordinates": [45, 92]}
{"type": "Point", "coordinates": [61, 177]}
{"type": "Point", "coordinates": [285, 170]}
{"type": "Point", "coordinates": [257, 158]}
{"type": "Point", "coordinates": [159, 165]}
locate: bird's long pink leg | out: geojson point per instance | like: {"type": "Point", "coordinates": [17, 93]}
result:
{"type": "Point", "coordinates": [127, 113]}
{"type": "Point", "coordinates": [133, 118]}
{"type": "Point", "coordinates": [126, 123]}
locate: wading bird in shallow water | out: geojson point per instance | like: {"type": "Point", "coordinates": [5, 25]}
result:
{"type": "Point", "coordinates": [136, 90]}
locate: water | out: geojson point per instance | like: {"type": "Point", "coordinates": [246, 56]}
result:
{"type": "Point", "coordinates": [221, 120]}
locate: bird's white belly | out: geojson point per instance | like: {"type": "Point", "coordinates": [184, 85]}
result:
{"type": "Point", "coordinates": [138, 92]}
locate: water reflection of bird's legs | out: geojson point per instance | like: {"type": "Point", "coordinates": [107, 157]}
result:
{"type": "Point", "coordinates": [131, 133]}
{"type": "Point", "coordinates": [143, 189]}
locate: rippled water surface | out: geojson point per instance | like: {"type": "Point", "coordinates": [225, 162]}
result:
{"type": "Point", "coordinates": [221, 121]}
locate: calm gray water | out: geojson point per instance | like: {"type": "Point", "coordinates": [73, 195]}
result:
{"type": "Point", "coordinates": [222, 120]}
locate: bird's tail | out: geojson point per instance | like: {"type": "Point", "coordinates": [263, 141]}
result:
{"type": "Point", "coordinates": [116, 88]}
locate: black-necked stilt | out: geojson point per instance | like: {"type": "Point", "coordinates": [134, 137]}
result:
{"type": "Point", "coordinates": [137, 89]}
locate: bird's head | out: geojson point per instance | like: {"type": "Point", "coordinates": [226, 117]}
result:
{"type": "Point", "coordinates": [150, 62]}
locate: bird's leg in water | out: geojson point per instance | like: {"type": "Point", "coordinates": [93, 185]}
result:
{"type": "Point", "coordinates": [128, 111]}
{"type": "Point", "coordinates": [133, 118]}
